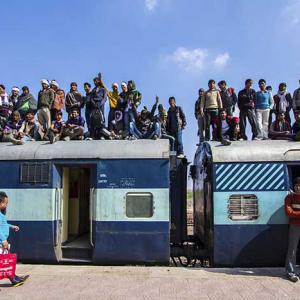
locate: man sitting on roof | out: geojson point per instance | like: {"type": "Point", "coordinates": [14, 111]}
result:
{"type": "Point", "coordinates": [281, 129]}
{"type": "Point", "coordinates": [143, 127]}
{"type": "Point", "coordinates": [11, 130]}
{"type": "Point", "coordinates": [296, 127]}
{"type": "Point", "coordinates": [29, 130]}
{"type": "Point", "coordinates": [74, 129]}
{"type": "Point", "coordinates": [226, 128]}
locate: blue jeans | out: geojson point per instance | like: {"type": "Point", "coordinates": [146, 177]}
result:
{"type": "Point", "coordinates": [171, 139]}
{"type": "Point", "coordinates": [178, 141]}
{"type": "Point", "coordinates": [128, 117]}
{"type": "Point", "coordinates": [153, 130]}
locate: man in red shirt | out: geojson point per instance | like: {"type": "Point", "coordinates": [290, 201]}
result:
{"type": "Point", "coordinates": [292, 210]}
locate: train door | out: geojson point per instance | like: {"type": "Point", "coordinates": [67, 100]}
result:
{"type": "Point", "coordinates": [75, 214]}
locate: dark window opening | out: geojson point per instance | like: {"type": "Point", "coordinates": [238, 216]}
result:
{"type": "Point", "coordinates": [139, 205]}
{"type": "Point", "coordinates": [35, 173]}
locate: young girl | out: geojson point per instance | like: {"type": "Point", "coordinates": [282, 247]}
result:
{"type": "Point", "coordinates": [4, 233]}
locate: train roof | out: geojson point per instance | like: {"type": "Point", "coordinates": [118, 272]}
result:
{"type": "Point", "coordinates": [252, 151]}
{"type": "Point", "coordinates": [100, 149]}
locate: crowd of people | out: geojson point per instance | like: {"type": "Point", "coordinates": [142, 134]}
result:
{"type": "Point", "coordinates": [23, 118]}
{"type": "Point", "coordinates": [215, 109]}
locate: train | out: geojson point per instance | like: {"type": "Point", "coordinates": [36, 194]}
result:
{"type": "Point", "coordinates": [125, 202]}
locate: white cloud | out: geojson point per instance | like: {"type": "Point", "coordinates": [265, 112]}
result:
{"type": "Point", "coordinates": [189, 60]}
{"type": "Point", "coordinates": [197, 60]}
{"type": "Point", "coordinates": [221, 60]}
{"type": "Point", "coordinates": [151, 4]}
{"type": "Point", "coordinates": [291, 13]}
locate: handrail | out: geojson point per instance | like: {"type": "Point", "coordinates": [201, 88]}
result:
{"type": "Point", "coordinates": [92, 200]}
{"type": "Point", "coordinates": [291, 150]}
{"type": "Point", "coordinates": [57, 196]}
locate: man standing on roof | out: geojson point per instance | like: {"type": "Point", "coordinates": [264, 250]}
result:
{"type": "Point", "coordinates": [292, 210]}
{"type": "Point", "coordinates": [246, 104]}
{"type": "Point", "coordinates": [59, 99]}
{"type": "Point", "coordinates": [264, 102]}
{"type": "Point", "coordinates": [176, 122]}
{"type": "Point", "coordinates": [199, 117]}
{"type": "Point", "coordinates": [296, 100]}
{"type": "Point", "coordinates": [45, 101]}
{"type": "Point", "coordinates": [228, 96]}
{"type": "Point", "coordinates": [74, 99]}
{"type": "Point", "coordinates": [210, 105]}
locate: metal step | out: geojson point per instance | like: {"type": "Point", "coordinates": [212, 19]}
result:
{"type": "Point", "coordinates": [76, 253]}
{"type": "Point", "coordinates": [75, 261]}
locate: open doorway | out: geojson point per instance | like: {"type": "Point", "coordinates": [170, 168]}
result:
{"type": "Point", "coordinates": [294, 171]}
{"type": "Point", "coordinates": [75, 231]}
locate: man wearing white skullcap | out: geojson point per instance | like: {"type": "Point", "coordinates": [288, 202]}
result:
{"type": "Point", "coordinates": [13, 98]}
{"type": "Point", "coordinates": [45, 102]}
{"type": "Point", "coordinates": [59, 99]}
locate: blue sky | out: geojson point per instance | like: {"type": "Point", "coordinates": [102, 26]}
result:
{"type": "Point", "coordinates": [169, 47]}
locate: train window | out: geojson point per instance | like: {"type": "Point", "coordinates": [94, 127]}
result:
{"type": "Point", "coordinates": [139, 205]}
{"type": "Point", "coordinates": [35, 173]}
{"type": "Point", "coordinates": [243, 207]}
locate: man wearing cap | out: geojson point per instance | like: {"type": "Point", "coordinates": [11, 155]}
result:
{"type": "Point", "coordinates": [199, 117]}
{"type": "Point", "coordinates": [292, 210]}
{"type": "Point", "coordinates": [45, 102]}
{"type": "Point", "coordinates": [296, 100]}
{"type": "Point", "coordinates": [13, 98]}
{"type": "Point", "coordinates": [26, 102]}
{"type": "Point", "coordinates": [59, 99]}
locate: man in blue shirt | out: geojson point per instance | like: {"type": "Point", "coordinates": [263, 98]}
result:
{"type": "Point", "coordinates": [264, 102]}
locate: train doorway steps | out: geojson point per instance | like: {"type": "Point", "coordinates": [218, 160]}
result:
{"type": "Point", "coordinates": [77, 250]}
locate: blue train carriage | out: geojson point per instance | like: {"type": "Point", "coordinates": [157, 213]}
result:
{"type": "Point", "coordinates": [105, 202]}
{"type": "Point", "coordinates": [239, 196]}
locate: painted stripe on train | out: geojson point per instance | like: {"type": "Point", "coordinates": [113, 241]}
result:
{"type": "Point", "coordinates": [250, 245]}
{"type": "Point", "coordinates": [31, 204]}
{"type": "Point", "coordinates": [135, 173]}
{"type": "Point", "coordinates": [131, 242]}
{"type": "Point", "coordinates": [111, 205]}
{"type": "Point", "coordinates": [270, 208]}
{"type": "Point", "coordinates": [250, 177]}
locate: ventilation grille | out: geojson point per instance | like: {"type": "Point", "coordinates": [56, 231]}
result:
{"type": "Point", "coordinates": [35, 173]}
{"type": "Point", "coordinates": [242, 207]}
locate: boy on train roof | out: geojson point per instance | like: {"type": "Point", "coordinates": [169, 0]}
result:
{"type": "Point", "coordinates": [57, 128]}
{"type": "Point", "coordinates": [4, 234]}
{"type": "Point", "coordinates": [74, 129]}
{"type": "Point", "coordinates": [292, 210]}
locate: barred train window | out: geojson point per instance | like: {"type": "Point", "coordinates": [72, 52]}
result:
{"type": "Point", "coordinates": [139, 205]}
{"type": "Point", "coordinates": [243, 207]}
{"type": "Point", "coordinates": [35, 173]}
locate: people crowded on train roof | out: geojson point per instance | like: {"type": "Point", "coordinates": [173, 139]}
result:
{"type": "Point", "coordinates": [126, 121]}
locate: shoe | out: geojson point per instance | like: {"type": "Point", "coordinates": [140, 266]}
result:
{"type": "Point", "coordinates": [17, 281]}
{"type": "Point", "coordinates": [256, 139]}
{"type": "Point", "coordinates": [155, 137]}
{"type": "Point", "coordinates": [225, 142]}
{"type": "Point", "coordinates": [88, 139]}
{"type": "Point", "coordinates": [293, 277]}
{"type": "Point", "coordinates": [51, 137]}
{"type": "Point", "coordinates": [17, 142]}
{"type": "Point", "coordinates": [180, 156]}
{"type": "Point", "coordinates": [81, 138]}
{"type": "Point", "coordinates": [241, 139]}
{"type": "Point", "coordinates": [66, 139]}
